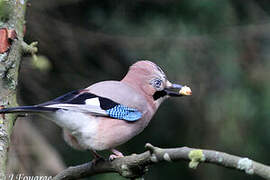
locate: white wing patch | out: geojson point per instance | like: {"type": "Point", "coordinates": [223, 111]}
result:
{"type": "Point", "coordinates": [81, 108]}
{"type": "Point", "coordinates": [93, 102]}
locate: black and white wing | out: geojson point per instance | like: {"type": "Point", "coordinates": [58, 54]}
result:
{"type": "Point", "coordinates": [84, 102]}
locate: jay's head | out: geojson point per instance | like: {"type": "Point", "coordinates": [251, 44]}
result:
{"type": "Point", "coordinates": [149, 77]}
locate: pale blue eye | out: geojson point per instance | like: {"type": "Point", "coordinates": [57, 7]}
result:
{"type": "Point", "coordinates": [157, 83]}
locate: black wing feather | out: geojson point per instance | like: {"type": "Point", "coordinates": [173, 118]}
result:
{"type": "Point", "coordinates": [27, 109]}
{"type": "Point", "coordinates": [106, 103]}
{"type": "Point", "coordinates": [61, 99]}
{"type": "Point", "coordinates": [73, 97]}
{"type": "Point", "coordinates": [79, 97]}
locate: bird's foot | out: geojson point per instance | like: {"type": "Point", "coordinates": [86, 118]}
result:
{"type": "Point", "coordinates": [116, 154]}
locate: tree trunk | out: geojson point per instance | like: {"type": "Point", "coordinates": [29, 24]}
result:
{"type": "Point", "coordinates": [13, 19]}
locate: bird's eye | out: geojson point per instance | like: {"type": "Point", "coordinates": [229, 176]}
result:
{"type": "Point", "coordinates": [157, 83]}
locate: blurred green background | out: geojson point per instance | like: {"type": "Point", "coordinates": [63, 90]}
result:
{"type": "Point", "coordinates": [221, 49]}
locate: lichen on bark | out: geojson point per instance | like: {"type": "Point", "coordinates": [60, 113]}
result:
{"type": "Point", "coordinates": [9, 67]}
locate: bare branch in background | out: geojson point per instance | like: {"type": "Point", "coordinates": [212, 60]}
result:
{"type": "Point", "coordinates": [28, 147]}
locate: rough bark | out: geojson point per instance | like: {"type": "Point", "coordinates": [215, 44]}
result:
{"type": "Point", "coordinates": [9, 66]}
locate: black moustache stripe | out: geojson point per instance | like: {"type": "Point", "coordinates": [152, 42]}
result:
{"type": "Point", "coordinates": [159, 94]}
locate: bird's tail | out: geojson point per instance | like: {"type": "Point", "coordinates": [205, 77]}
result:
{"type": "Point", "coordinates": [27, 109]}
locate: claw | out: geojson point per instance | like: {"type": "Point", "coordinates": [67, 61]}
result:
{"type": "Point", "coordinates": [116, 154]}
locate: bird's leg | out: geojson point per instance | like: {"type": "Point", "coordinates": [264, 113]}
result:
{"type": "Point", "coordinates": [2, 115]}
{"type": "Point", "coordinates": [116, 154]}
{"type": "Point", "coordinates": [95, 154]}
{"type": "Point", "coordinates": [97, 157]}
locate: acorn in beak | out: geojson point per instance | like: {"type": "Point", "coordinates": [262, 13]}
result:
{"type": "Point", "coordinates": [173, 90]}
{"type": "Point", "coordinates": [177, 90]}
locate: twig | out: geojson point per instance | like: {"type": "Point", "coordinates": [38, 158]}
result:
{"type": "Point", "coordinates": [30, 48]}
{"type": "Point", "coordinates": [135, 165]}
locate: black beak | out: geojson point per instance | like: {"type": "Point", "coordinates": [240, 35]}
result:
{"type": "Point", "coordinates": [173, 90]}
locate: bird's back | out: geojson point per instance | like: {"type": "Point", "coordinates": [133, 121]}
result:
{"type": "Point", "coordinates": [120, 93]}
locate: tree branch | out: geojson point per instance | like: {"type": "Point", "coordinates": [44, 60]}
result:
{"type": "Point", "coordinates": [9, 66]}
{"type": "Point", "coordinates": [135, 165]}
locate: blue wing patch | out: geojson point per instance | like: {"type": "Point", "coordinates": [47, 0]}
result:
{"type": "Point", "coordinates": [125, 113]}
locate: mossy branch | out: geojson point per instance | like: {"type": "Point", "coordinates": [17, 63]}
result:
{"type": "Point", "coordinates": [134, 166]}
{"type": "Point", "coordinates": [9, 66]}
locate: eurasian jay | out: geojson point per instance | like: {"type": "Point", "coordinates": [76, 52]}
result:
{"type": "Point", "coordinates": [109, 113]}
